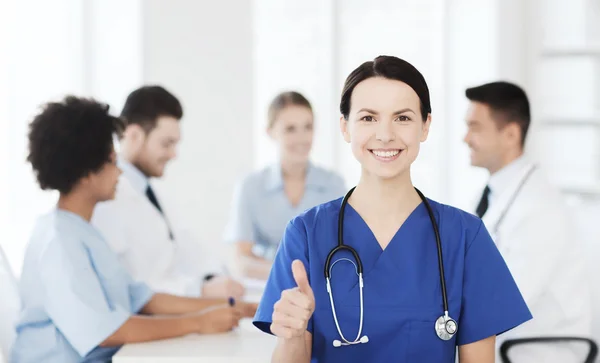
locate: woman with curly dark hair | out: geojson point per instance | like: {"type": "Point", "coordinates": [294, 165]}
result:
{"type": "Point", "coordinates": [78, 303]}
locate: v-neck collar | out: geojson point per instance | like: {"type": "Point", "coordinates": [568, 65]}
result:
{"type": "Point", "coordinates": [364, 241]}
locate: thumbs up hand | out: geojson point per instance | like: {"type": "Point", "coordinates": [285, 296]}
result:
{"type": "Point", "coordinates": [293, 311]}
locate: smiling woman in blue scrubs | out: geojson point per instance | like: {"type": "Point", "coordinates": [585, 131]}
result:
{"type": "Point", "coordinates": [393, 314]}
{"type": "Point", "coordinates": [267, 199]}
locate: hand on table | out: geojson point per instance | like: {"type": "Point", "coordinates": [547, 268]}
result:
{"type": "Point", "coordinates": [247, 309]}
{"type": "Point", "coordinates": [216, 320]}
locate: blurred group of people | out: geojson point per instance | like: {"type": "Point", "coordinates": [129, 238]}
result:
{"type": "Point", "coordinates": [107, 266]}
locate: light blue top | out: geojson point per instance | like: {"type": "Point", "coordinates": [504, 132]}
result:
{"type": "Point", "coordinates": [261, 209]}
{"type": "Point", "coordinates": [74, 294]}
{"type": "Point", "coordinates": [402, 296]}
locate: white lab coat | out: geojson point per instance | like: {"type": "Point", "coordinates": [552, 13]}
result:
{"type": "Point", "coordinates": [587, 215]}
{"type": "Point", "coordinates": [139, 234]}
{"type": "Point", "coordinates": [538, 242]}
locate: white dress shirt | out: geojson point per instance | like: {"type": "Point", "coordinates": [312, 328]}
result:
{"type": "Point", "coordinates": [139, 233]}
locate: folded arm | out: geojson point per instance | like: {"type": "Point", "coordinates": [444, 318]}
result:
{"type": "Point", "coordinates": [165, 304]}
{"type": "Point", "coordinates": [149, 328]}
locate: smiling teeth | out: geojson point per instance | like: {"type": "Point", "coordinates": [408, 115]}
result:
{"type": "Point", "coordinates": [386, 154]}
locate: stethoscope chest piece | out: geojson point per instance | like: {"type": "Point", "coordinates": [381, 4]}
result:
{"type": "Point", "coordinates": [445, 327]}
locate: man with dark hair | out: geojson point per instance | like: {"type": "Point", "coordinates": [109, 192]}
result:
{"type": "Point", "coordinates": [147, 104]}
{"type": "Point", "coordinates": [503, 138]}
{"type": "Point", "coordinates": [529, 222]}
{"type": "Point", "coordinates": [136, 223]}
{"type": "Point", "coordinates": [78, 303]}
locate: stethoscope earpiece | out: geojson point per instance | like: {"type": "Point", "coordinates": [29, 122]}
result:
{"type": "Point", "coordinates": [363, 340]}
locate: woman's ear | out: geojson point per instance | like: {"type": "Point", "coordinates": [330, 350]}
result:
{"type": "Point", "coordinates": [344, 129]}
{"type": "Point", "coordinates": [426, 126]}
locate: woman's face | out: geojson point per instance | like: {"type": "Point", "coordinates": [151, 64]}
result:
{"type": "Point", "coordinates": [103, 183]}
{"type": "Point", "coordinates": [293, 133]}
{"type": "Point", "coordinates": [385, 128]}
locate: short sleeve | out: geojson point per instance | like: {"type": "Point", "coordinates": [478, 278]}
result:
{"type": "Point", "coordinates": [492, 303]}
{"type": "Point", "coordinates": [292, 247]}
{"type": "Point", "coordinates": [240, 226]}
{"type": "Point", "coordinates": [74, 298]}
{"type": "Point", "coordinates": [139, 295]}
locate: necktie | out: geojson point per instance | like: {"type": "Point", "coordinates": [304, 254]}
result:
{"type": "Point", "coordinates": [152, 197]}
{"type": "Point", "coordinates": [484, 202]}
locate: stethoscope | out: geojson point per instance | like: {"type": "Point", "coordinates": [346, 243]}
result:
{"type": "Point", "coordinates": [512, 201]}
{"type": "Point", "coordinates": [445, 326]}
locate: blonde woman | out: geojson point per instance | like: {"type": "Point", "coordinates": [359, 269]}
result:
{"type": "Point", "coordinates": [267, 199]}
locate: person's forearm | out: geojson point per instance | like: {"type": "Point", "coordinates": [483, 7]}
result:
{"type": "Point", "coordinates": [482, 351]}
{"type": "Point", "coordinates": [172, 305]}
{"type": "Point", "coordinates": [255, 267]}
{"type": "Point", "coordinates": [246, 263]}
{"type": "Point", "coordinates": [291, 351]}
{"type": "Point", "coordinates": [147, 328]}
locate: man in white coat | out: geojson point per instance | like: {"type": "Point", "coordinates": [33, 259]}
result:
{"type": "Point", "coordinates": [530, 224]}
{"type": "Point", "coordinates": [136, 223]}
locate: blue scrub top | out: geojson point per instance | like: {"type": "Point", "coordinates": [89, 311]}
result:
{"type": "Point", "coordinates": [402, 296]}
{"type": "Point", "coordinates": [74, 294]}
{"type": "Point", "coordinates": [261, 209]}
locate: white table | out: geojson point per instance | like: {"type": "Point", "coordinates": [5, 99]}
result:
{"type": "Point", "coordinates": [246, 344]}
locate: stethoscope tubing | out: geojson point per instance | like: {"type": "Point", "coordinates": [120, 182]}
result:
{"type": "Point", "coordinates": [341, 246]}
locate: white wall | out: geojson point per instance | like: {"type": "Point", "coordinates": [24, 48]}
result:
{"type": "Point", "coordinates": [568, 90]}
{"type": "Point", "coordinates": [226, 65]}
{"type": "Point", "coordinates": [454, 43]}
{"type": "Point", "coordinates": [483, 45]}
{"type": "Point", "coordinates": [294, 43]}
{"type": "Point", "coordinates": [5, 11]}
{"type": "Point", "coordinates": [412, 30]}
{"type": "Point", "coordinates": [113, 49]}
{"type": "Point", "coordinates": [315, 47]}
{"type": "Point", "coordinates": [43, 62]}
{"type": "Point", "coordinates": [567, 82]}
{"type": "Point", "coordinates": [202, 51]}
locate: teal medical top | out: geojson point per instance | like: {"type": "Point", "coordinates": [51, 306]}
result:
{"type": "Point", "coordinates": [74, 294]}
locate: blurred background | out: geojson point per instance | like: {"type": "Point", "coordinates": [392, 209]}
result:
{"type": "Point", "coordinates": [225, 60]}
